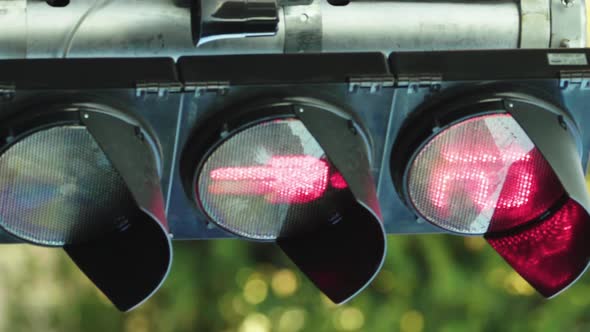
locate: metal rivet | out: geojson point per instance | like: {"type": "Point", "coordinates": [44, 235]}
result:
{"type": "Point", "coordinates": [565, 43]}
{"type": "Point", "coordinates": [567, 3]}
{"type": "Point", "coordinates": [562, 122]}
{"type": "Point", "coordinates": [86, 116]}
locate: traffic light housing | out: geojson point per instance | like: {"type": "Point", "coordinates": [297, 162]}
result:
{"type": "Point", "coordinates": [310, 151]}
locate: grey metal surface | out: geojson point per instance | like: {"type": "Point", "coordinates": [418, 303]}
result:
{"type": "Point", "coordinates": [126, 28]}
{"type": "Point", "coordinates": [303, 28]}
{"type": "Point", "coordinates": [400, 25]}
{"type": "Point", "coordinates": [568, 23]}
{"type": "Point", "coordinates": [173, 117]}
{"type": "Point", "coordinates": [14, 28]}
{"type": "Point", "coordinates": [227, 19]}
{"type": "Point", "coordinates": [535, 23]}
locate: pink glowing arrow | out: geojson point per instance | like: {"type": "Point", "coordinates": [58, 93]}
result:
{"type": "Point", "coordinates": [284, 179]}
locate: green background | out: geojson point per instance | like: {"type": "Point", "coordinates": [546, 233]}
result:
{"type": "Point", "coordinates": [428, 283]}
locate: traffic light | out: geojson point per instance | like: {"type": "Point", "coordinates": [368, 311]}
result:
{"type": "Point", "coordinates": [322, 154]}
{"type": "Point", "coordinates": [503, 159]}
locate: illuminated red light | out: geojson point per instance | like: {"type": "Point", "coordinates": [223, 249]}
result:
{"type": "Point", "coordinates": [283, 179]}
{"type": "Point", "coordinates": [475, 173]}
{"type": "Point", "coordinates": [337, 181]}
{"type": "Point", "coordinates": [551, 254]}
{"type": "Point", "coordinates": [483, 175]}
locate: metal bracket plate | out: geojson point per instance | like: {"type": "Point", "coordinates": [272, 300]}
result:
{"type": "Point", "coordinates": [157, 88]}
{"type": "Point", "coordinates": [568, 23]}
{"type": "Point", "coordinates": [372, 84]}
{"type": "Point", "coordinates": [572, 79]}
{"type": "Point", "coordinates": [414, 82]}
{"type": "Point", "coordinates": [200, 88]}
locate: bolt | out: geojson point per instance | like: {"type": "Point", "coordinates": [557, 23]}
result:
{"type": "Point", "coordinates": [86, 116]}
{"type": "Point", "coordinates": [351, 127]}
{"type": "Point", "coordinates": [565, 43]}
{"type": "Point", "coordinates": [224, 131]}
{"type": "Point", "coordinates": [139, 134]}
{"type": "Point", "coordinates": [562, 122]}
{"type": "Point", "coordinates": [510, 105]}
{"type": "Point", "coordinates": [567, 3]}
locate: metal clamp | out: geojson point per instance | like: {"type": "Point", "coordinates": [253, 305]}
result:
{"type": "Point", "coordinates": [223, 19]}
{"type": "Point", "coordinates": [303, 26]}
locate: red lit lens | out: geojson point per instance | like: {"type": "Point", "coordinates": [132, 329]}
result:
{"type": "Point", "coordinates": [266, 178]}
{"type": "Point", "coordinates": [482, 175]}
{"type": "Point", "coordinates": [552, 254]}
{"type": "Point", "coordinates": [283, 179]}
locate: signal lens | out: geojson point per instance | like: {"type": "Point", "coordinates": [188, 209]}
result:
{"type": "Point", "coordinates": [550, 255]}
{"type": "Point", "coordinates": [283, 179]}
{"type": "Point", "coordinates": [267, 178]}
{"type": "Point", "coordinates": [482, 175]}
{"type": "Point", "coordinates": [58, 187]}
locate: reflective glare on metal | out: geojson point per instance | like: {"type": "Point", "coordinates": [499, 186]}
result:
{"type": "Point", "coordinates": [215, 20]}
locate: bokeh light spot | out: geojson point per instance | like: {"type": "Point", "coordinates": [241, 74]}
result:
{"type": "Point", "coordinates": [255, 322]}
{"type": "Point", "coordinates": [496, 277]}
{"type": "Point", "coordinates": [516, 285]}
{"type": "Point", "coordinates": [226, 309]}
{"type": "Point", "coordinates": [474, 243]}
{"type": "Point", "coordinates": [137, 323]}
{"type": "Point", "coordinates": [243, 275]}
{"type": "Point", "coordinates": [255, 291]}
{"type": "Point", "coordinates": [284, 283]}
{"type": "Point", "coordinates": [412, 321]}
{"type": "Point", "coordinates": [350, 319]}
{"type": "Point", "coordinates": [292, 320]}
{"type": "Point", "coordinates": [239, 306]}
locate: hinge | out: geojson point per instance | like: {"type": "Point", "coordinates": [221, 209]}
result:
{"type": "Point", "coordinates": [7, 91]}
{"type": "Point", "coordinates": [572, 79]}
{"type": "Point", "coordinates": [200, 88]}
{"type": "Point", "coordinates": [372, 84]}
{"type": "Point", "coordinates": [161, 89]}
{"type": "Point", "coordinates": [415, 82]}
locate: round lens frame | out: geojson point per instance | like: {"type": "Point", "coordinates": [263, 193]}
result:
{"type": "Point", "coordinates": [426, 123]}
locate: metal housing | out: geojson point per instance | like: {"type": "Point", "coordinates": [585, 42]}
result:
{"type": "Point", "coordinates": [107, 28]}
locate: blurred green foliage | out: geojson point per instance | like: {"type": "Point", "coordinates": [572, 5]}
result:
{"type": "Point", "coordinates": [429, 283]}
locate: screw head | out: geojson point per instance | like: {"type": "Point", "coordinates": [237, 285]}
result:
{"type": "Point", "coordinates": [565, 43]}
